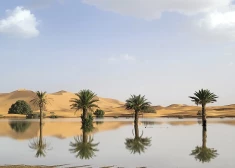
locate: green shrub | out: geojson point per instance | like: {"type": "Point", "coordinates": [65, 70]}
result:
{"type": "Point", "coordinates": [35, 115]}
{"type": "Point", "coordinates": [53, 115]}
{"type": "Point", "coordinates": [199, 113]}
{"type": "Point", "coordinates": [87, 124]}
{"type": "Point", "coordinates": [20, 107]}
{"type": "Point", "coordinates": [149, 110]}
{"type": "Point", "coordinates": [99, 113]}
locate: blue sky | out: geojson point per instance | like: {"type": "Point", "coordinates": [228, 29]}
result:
{"type": "Point", "coordinates": [163, 49]}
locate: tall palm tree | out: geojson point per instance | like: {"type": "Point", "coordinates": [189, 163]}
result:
{"type": "Point", "coordinates": [41, 100]}
{"type": "Point", "coordinates": [203, 97]}
{"type": "Point", "coordinates": [138, 144]}
{"type": "Point", "coordinates": [204, 154]}
{"type": "Point", "coordinates": [40, 145]}
{"type": "Point", "coordinates": [86, 102]}
{"type": "Point", "coordinates": [84, 146]}
{"type": "Point", "coordinates": [138, 104]}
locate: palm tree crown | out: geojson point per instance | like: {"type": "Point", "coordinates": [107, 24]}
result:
{"type": "Point", "coordinates": [85, 101]}
{"type": "Point", "coordinates": [137, 103]}
{"type": "Point", "coordinates": [203, 97]}
{"type": "Point", "coordinates": [40, 100]}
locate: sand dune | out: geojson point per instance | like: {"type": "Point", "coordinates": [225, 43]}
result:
{"type": "Point", "coordinates": [60, 104]}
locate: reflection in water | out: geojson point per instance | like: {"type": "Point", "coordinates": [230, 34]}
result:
{"type": "Point", "coordinates": [148, 123]}
{"type": "Point", "coordinates": [199, 121]}
{"type": "Point", "coordinates": [204, 154]}
{"type": "Point", "coordinates": [137, 144]}
{"type": "Point", "coordinates": [19, 126]}
{"type": "Point", "coordinates": [39, 144]}
{"type": "Point", "coordinates": [83, 147]}
{"type": "Point", "coordinates": [99, 122]}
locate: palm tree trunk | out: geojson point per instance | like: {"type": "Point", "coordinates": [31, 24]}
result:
{"type": "Point", "coordinates": [84, 136]}
{"type": "Point", "coordinates": [40, 135]}
{"type": "Point", "coordinates": [136, 130]}
{"type": "Point", "coordinates": [204, 136]}
{"type": "Point", "coordinates": [40, 126]}
{"type": "Point", "coordinates": [41, 115]}
{"type": "Point", "coordinates": [136, 123]}
{"type": "Point", "coordinates": [203, 116]}
{"type": "Point", "coordinates": [84, 113]}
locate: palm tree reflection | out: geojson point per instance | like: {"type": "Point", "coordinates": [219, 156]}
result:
{"type": "Point", "coordinates": [138, 144]}
{"type": "Point", "coordinates": [204, 154]}
{"type": "Point", "coordinates": [83, 147]}
{"type": "Point", "coordinates": [40, 145]}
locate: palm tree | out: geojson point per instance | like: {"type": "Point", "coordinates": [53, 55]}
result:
{"type": "Point", "coordinates": [137, 103]}
{"type": "Point", "coordinates": [40, 145]}
{"type": "Point", "coordinates": [40, 100]}
{"type": "Point", "coordinates": [137, 144]}
{"type": "Point", "coordinates": [86, 102]}
{"type": "Point", "coordinates": [204, 154]}
{"type": "Point", "coordinates": [84, 146]}
{"type": "Point", "coordinates": [203, 97]}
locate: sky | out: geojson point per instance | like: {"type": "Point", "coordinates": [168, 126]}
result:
{"type": "Point", "coordinates": [163, 49]}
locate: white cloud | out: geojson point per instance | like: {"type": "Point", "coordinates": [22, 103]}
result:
{"type": "Point", "coordinates": [215, 18]}
{"type": "Point", "coordinates": [153, 9]}
{"type": "Point", "coordinates": [19, 22]}
{"type": "Point", "coordinates": [219, 23]}
{"type": "Point", "coordinates": [124, 57]}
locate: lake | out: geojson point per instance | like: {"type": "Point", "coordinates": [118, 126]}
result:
{"type": "Point", "coordinates": [163, 142]}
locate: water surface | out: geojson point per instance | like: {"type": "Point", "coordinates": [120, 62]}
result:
{"type": "Point", "coordinates": [165, 143]}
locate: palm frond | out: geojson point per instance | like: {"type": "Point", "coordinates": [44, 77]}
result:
{"type": "Point", "coordinates": [86, 99]}
{"type": "Point", "coordinates": [203, 96]}
{"type": "Point", "coordinates": [137, 103]}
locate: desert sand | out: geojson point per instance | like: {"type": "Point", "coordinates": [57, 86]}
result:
{"type": "Point", "coordinates": [60, 105]}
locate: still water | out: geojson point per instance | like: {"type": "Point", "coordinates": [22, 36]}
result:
{"type": "Point", "coordinates": [162, 142]}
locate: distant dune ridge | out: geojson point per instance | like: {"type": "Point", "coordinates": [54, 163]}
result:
{"type": "Point", "coordinates": [60, 104]}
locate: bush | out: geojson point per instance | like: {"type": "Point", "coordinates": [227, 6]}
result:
{"type": "Point", "coordinates": [149, 110]}
{"type": "Point", "coordinates": [20, 107]}
{"type": "Point", "coordinates": [199, 113]}
{"type": "Point", "coordinates": [35, 115]}
{"type": "Point", "coordinates": [87, 124]}
{"type": "Point", "coordinates": [99, 113]}
{"type": "Point", "coordinates": [53, 115]}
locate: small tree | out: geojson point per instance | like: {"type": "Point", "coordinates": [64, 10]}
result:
{"type": "Point", "coordinates": [99, 113]}
{"type": "Point", "coordinates": [20, 107]}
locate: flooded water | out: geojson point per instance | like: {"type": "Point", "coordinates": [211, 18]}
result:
{"type": "Point", "coordinates": [157, 142]}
